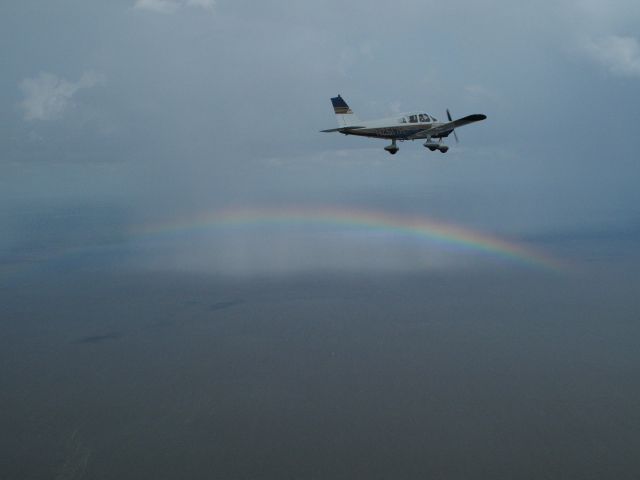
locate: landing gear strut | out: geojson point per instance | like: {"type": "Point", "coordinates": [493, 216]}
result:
{"type": "Point", "coordinates": [393, 148]}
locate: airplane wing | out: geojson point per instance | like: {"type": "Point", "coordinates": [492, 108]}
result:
{"type": "Point", "coordinates": [342, 129]}
{"type": "Point", "coordinates": [461, 122]}
{"type": "Point", "coordinates": [448, 127]}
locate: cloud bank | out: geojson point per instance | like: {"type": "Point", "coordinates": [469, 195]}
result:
{"type": "Point", "coordinates": [620, 55]}
{"type": "Point", "coordinates": [48, 96]}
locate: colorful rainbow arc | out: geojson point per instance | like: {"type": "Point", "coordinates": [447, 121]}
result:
{"type": "Point", "coordinates": [416, 226]}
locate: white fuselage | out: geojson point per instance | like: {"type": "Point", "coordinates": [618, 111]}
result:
{"type": "Point", "coordinates": [408, 126]}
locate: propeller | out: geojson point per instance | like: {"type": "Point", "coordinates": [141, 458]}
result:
{"type": "Point", "coordinates": [455, 135]}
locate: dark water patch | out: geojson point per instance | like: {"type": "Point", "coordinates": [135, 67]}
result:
{"type": "Point", "coordinates": [340, 376]}
{"type": "Point", "coordinates": [100, 338]}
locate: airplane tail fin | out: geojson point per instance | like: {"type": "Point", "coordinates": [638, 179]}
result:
{"type": "Point", "coordinates": [344, 114]}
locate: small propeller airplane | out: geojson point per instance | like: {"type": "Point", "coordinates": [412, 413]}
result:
{"type": "Point", "coordinates": [404, 126]}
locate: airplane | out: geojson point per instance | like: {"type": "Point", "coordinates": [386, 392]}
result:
{"type": "Point", "coordinates": [404, 126]}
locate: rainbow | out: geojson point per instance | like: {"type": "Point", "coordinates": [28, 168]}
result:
{"type": "Point", "coordinates": [375, 221]}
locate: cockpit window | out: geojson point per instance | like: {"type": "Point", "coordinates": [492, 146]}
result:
{"type": "Point", "coordinates": [402, 120]}
{"type": "Point", "coordinates": [433, 119]}
{"type": "Point", "coordinates": [413, 119]}
{"type": "Point", "coordinates": [424, 118]}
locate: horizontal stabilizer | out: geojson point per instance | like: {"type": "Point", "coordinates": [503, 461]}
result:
{"type": "Point", "coordinates": [342, 129]}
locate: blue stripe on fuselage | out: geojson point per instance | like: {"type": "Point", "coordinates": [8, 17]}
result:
{"type": "Point", "coordinates": [388, 132]}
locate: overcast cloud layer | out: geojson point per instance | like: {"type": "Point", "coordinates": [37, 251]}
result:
{"type": "Point", "coordinates": [125, 113]}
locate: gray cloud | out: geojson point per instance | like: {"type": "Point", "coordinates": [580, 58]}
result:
{"type": "Point", "coordinates": [618, 54]}
{"type": "Point", "coordinates": [47, 96]}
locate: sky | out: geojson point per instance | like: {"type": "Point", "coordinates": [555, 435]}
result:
{"type": "Point", "coordinates": [128, 113]}
{"type": "Point", "coordinates": [195, 282]}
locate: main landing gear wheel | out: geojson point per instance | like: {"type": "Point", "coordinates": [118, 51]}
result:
{"type": "Point", "coordinates": [433, 146]}
{"type": "Point", "coordinates": [393, 148]}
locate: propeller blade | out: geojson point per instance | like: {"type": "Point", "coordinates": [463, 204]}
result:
{"type": "Point", "coordinates": [455, 135]}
